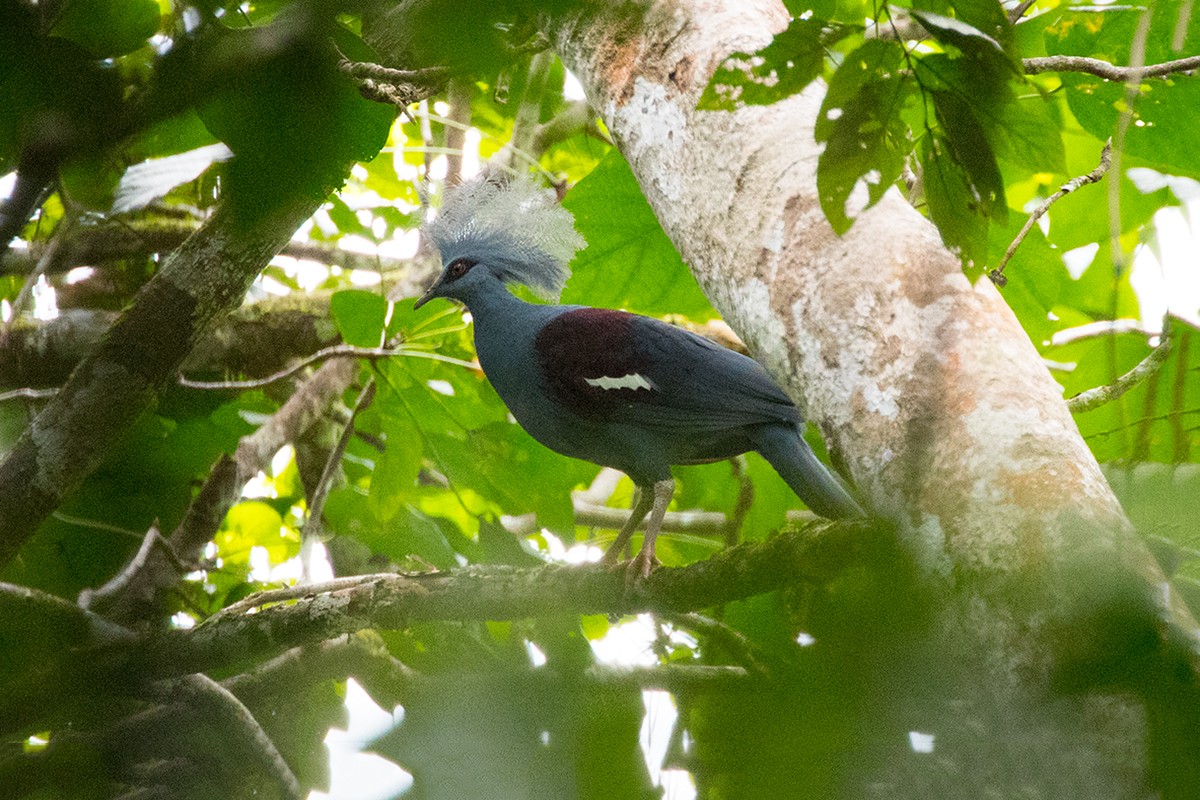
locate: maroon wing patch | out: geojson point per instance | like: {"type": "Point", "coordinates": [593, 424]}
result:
{"type": "Point", "coordinates": [591, 363]}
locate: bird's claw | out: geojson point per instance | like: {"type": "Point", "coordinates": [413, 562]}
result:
{"type": "Point", "coordinates": [640, 567]}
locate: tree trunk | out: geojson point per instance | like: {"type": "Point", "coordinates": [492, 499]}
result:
{"type": "Point", "coordinates": [925, 386]}
{"type": "Point", "coordinates": [201, 282]}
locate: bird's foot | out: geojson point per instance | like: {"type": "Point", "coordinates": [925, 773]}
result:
{"type": "Point", "coordinates": [640, 566]}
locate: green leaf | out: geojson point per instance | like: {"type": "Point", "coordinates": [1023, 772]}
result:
{"type": "Point", "coordinates": [792, 60]}
{"type": "Point", "coordinates": [1036, 277]}
{"type": "Point", "coordinates": [107, 28]}
{"type": "Point", "coordinates": [1164, 129]}
{"type": "Point", "coordinates": [1103, 291]}
{"type": "Point", "coordinates": [294, 122]}
{"type": "Point", "coordinates": [1107, 34]}
{"type": "Point", "coordinates": [1159, 418]}
{"type": "Point", "coordinates": [629, 262]}
{"type": "Point", "coordinates": [396, 469]}
{"type": "Point", "coordinates": [504, 464]}
{"type": "Point", "coordinates": [1025, 132]}
{"type": "Point", "coordinates": [866, 137]}
{"type": "Point", "coordinates": [1082, 217]}
{"type": "Point", "coordinates": [973, 43]}
{"type": "Point", "coordinates": [954, 203]}
{"type": "Point", "coordinates": [360, 316]}
{"type": "Point", "coordinates": [989, 18]}
{"type": "Point", "coordinates": [966, 142]}
{"type": "Point", "coordinates": [404, 534]}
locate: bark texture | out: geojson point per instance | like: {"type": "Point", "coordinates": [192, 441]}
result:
{"type": "Point", "coordinates": [203, 280]}
{"type": "Point", "coordinates": [255, 341]}
{"type": "Point", "coordinates": [926, 386]}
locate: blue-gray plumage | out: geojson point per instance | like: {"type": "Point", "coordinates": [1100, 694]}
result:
{"type": "Point", "coordinates": [617, 389]}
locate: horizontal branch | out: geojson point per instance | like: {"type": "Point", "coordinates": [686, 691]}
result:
{"type": "Point", "coordinates": [1094, 398]}
{"type": "Point", "coordinates": [324, 354]}
{"type": "Point", "coordinates": [240, 641]}
{"type": "Point", "coordinates": [814, 552]}
{"type": "Point", "coordinates": [997, 274]}
{"type": "Point", "coordinates": [1103, 69]}
{"type": "Point", "coordinates": [255, 340]}
{"type": "Point", "coordinates": [90, 246]}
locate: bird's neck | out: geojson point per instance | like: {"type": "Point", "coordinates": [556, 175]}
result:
{"type": "Point", "coordinates": [496, 303]}
{"type": "Point", "coordinates": [505, 326]}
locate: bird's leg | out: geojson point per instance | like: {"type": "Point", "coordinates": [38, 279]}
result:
{"type": "Point", "coordinates": [642, 500]}
{"type": "Point", "coordinates": [645, 560]}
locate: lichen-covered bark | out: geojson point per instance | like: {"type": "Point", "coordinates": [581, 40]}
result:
{"type": "Point", "coordinates": [202, 281]}
{"type": "Point", "coordinates": [255, 341]}
{"type": "Point", "coordinates": [925, 385]}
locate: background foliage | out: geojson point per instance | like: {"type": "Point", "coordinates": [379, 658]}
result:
{"type": "Point", "coordinates": [147, 114]}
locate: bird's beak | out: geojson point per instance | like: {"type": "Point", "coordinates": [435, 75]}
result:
{"type": "Point", "coordinates": [433, 291]}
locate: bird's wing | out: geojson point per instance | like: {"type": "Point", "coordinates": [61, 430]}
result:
{"type": "Point", "coordinates": [619, 367]}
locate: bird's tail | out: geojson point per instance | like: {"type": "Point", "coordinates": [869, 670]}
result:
{"type": "Point", "coordinates": [784, 448]}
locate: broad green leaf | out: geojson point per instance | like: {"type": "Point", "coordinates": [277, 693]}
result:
{"type": "Point", "coordinates": [1156, 420]}
{"type": "Point", "coordinates": [396, 469]}
{"type": "Point", "coordinates": [629, 262]}
{"type": "Point", "coordinates": [107, 28]}
{"type": "Point", "coordinates": [181, 133]}
{"type": "Point", "coordinates": [404, 534]}
{"type": "Point", "coordinates": [1024, 132]}
{"type": "Point", "coordinates": [954, 204]}
{"type": "Point", "coordinates": [294, 122]}
{"type": "Point", "coordinates": [360, 316]}
{"type": "Point", "coordinates": [1164, 129]}
{"type": "Point", "coordinates": [966, 142]}
{"type": "Point", "coordinates": [1103, 291]}
{"type": "Point", "coordinates": [1108, 33]}
{"type": "Point", "coordinates": [1083, 216]}
{"type": "Point", "coordinates": [504, 464]}
{"type": "Point", "coordinates": [792, 60]}
{"type": "Point", "coordinates": [983, 49]}
{"type": "Point", "coordinates": [989, 18]}
{"type": "Point", "coordinates": [1036, 278]}
{"type": "Point", "coordinates": [866, 137]}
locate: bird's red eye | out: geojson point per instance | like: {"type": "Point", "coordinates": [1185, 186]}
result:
{"type": "Point", "coordinates": [459, 268]}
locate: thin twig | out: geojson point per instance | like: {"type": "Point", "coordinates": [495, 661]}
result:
{"type": "Point", "coordinates": [1093, 398]}
{"type": "Point", "coordinates": [54, 249]}
{"type": "Point", "coordinates": [997, 274]}
{"type": "Point", "coordinates": [234, 718]}
{"type": "Point", "coordinates": [297, 592]}
{"type": "Point", "coordinates": [312, 530]}
{"type": "Point", "coordinates": [336, 351]}
{"type": "Point", "coordinates": [1103, 69]}
{"type": "Point", "coordinates": [1020, 10]}
{"type": "Point", "coordinates": [27, 393]}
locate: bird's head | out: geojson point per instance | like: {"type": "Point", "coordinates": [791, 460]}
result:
{"type": "Point", "coordinates": [492, 232]}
